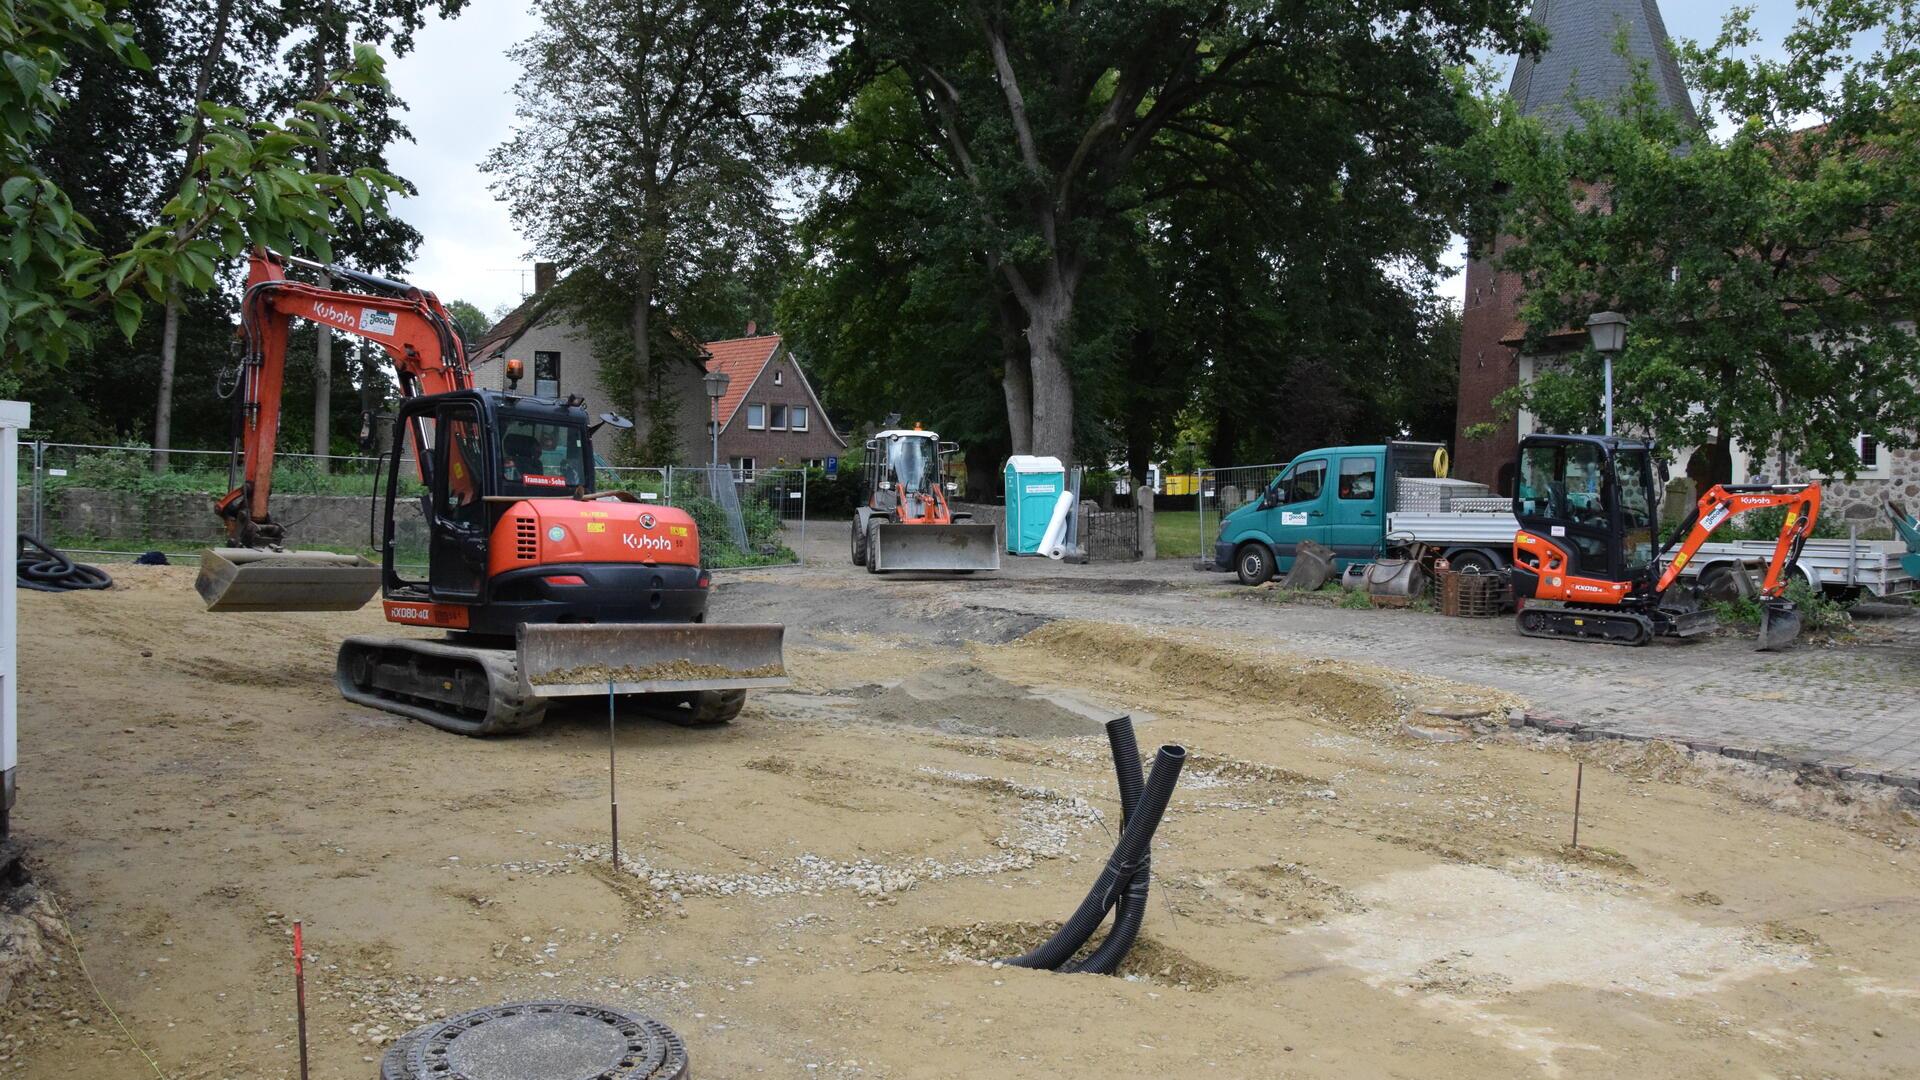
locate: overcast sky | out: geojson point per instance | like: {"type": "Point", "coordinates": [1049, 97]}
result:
{"type": "Point", "coordinates": [458, 85]}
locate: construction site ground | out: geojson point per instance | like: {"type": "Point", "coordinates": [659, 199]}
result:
{"type": "Point", "coordinates": [1364, 872]}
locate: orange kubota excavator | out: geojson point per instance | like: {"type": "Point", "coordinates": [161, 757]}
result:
{"type": "Point", "coordinates": [545, 587]}
{"type": "Point", "coordinates": [1584, 562]}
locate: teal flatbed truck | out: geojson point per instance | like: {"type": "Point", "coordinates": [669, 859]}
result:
{"type": "Point", "coordinates": [1350, 498]}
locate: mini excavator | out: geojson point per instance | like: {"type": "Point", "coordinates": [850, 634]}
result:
{"type": "Point", "coordinates": [1584, 562]}
{"type": "Point", "coordinates": [543, 586]}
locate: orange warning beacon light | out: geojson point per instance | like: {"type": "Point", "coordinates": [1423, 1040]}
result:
{"type": "Point", "coordinates": [516, 370]}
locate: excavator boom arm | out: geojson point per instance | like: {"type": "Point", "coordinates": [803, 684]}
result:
{"type": "Point", "coordinates": [407, 323]}
{"type": "Point", "coordinates": [1720, 504]}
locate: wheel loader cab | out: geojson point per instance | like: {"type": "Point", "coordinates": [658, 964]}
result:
{"type": "Point", "coordinates": [1593, 499]}
{"type": "Point", "coordinates": [500, 481]}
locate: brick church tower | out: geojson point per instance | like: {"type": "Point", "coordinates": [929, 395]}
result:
{"type": "Point", "coordinates": [1580, 62]}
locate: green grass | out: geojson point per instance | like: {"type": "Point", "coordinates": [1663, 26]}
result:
{"type": "Point", "coordinates": [1176, 533]}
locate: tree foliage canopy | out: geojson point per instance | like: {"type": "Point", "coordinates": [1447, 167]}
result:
{"type": "Point", "coordinates": [1769, 261]}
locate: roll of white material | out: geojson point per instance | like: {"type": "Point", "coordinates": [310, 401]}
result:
{"type": "Point", "coordinates": [1052, 542]}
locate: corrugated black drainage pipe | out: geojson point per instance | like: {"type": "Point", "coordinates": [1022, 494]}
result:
{"type": "Point", "coordinates": [1127, 856]}
{"type": "Point", "coordinates": [1131, 911]}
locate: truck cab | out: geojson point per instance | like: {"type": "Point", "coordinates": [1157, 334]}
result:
{"type": "Point", "coordinates": [1338, 496]}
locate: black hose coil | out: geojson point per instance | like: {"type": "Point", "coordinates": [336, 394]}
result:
{"type": "Point", "coordinates": [51, 571]}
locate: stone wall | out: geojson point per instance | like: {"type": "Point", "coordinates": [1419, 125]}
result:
{"type": "Point", "coordinates": [342, 521]}
{"type": "Point", "coordinates": [1863, 502]}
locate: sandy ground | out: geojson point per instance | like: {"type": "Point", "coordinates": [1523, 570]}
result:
{"type": "Point", "coordinates": [813, 890]}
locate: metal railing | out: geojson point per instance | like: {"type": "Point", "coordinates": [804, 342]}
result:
{"type": "Point", "coordinates": [1221, 492]}
{"type": "Point", "coordinates": [119, 501]}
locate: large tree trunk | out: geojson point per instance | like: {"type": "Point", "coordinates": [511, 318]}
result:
{"type": "Point", "coordinates": [1047, 321]}
{"type": "Point", "coordinates": [170, 327]}
{"type": "Point", "coordinates": [1017, 376]}
{"type": "Point", "coordinates": [323, 379]}
{"type": "Point", "coordinates": [163, 411]}
{"type": "Point", "coordinates": [323, 342]}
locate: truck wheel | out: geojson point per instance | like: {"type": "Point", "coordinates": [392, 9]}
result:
{"type": "Point", "coordinates": [1473, 562]}
{"type": "Point", "coordinates": [873, 549]}
{"type": "Point", "coordinates": [1254, 563]}
{"type": "Point", "coordinates": [859, 543]}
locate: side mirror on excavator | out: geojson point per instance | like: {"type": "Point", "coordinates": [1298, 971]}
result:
{"type": "Point", "coordinates": [614, 419]}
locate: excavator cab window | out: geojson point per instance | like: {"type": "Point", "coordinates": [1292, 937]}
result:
{"type": "Point", "coordinates": [1563, 492]}
{"type": "Point", "coordinates": [1632, 477]}
{"type": "Point", "coordinates": [541, 457]}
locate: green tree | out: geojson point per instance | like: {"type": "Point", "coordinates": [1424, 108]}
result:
{"type": "Point", "coordinates": [1769, 260]}
{"type": "Point", "coordinates": [1051, 117]}
{"type": "Point", "coordinates": [245, 187]}
{"type": "Point", "coordinates": [472, 322]}
{"type": "Point", "coordinates": [643, 162]}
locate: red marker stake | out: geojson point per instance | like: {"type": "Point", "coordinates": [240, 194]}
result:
{"type": "Point", "coordinates": [300, 994]}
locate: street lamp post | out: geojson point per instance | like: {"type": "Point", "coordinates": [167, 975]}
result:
{"type": "Point", "coordinates": [716, 383]}
{"type": "Point", "coordinates": [1608, 332]}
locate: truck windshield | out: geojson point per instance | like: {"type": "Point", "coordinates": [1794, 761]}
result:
{"type": "Point", "coordinates": [912, 459]}
{"type": "Point", "coordinates": [538, 456]}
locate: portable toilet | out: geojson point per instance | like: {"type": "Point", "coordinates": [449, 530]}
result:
{"type": "Point", "coordinates": [1034, 485]}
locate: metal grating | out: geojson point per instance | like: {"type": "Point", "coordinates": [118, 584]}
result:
{"type": "Point", "coordinates": [526, 539]}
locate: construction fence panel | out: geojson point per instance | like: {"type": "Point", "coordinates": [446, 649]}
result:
{"type": "Point", "coordinates": [120, 501]}
{"type": "Point", "coordinates": [743, 516]}
{"type": "Point", "coordinates": [123, 500]}
{"type": "Point", "coordinates": [1222, 491]}
{"type": "Point", "coordinates": [1110, 535]}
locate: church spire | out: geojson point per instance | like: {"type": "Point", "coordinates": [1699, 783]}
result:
{"type": "Point", "coordinates": [1580, 61]}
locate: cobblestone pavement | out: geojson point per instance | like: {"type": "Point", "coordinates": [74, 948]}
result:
{"type": "Point", "coordinates": [1855, 704]}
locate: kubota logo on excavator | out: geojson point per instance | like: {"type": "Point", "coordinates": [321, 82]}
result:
{"type": "Point", "coordinates": [646, 543]}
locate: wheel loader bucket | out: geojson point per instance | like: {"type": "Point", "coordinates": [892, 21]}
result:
{"type": "Point", "coordinates": [960, 546]}
{"type": "Point", "coordinates": [580, 659]}
{"type": "Point", "coordinates": [1779, 624]}
{"type": "Point", "coordinates": [246, 579]}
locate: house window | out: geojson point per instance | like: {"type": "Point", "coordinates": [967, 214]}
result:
{"type": "Point", "coordinates": [1873, 459]}
{"type": "Point", "coordinates": [776, 378]}
{"type": "Point", "coordinates": [756, 417]}
{"type": "Point", "coordinates": [777, 418]}
{"type": "Point", "coordinates": [742, 469]}
{"type": "Point", "coordinates": [546, 374]}
{"type": "Point", "coordinates": [816, 463]}
{"type": "Point", "coordinates": [798, 415]}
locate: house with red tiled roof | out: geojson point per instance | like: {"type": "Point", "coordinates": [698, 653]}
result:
{"type": "Point", "coordinates": [769, 418]}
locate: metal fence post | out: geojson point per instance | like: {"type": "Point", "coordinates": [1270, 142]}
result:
{"type": "Point", "coordinates": [38, 517]}
{"type": "Point", "coordinates": [803, 507]}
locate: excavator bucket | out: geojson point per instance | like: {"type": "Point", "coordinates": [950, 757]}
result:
{"type": "Point", "coordinates": [1779, 624]}
{"type": "Point", "coordinates": [245, 579]}
{"type": "Point", "coordinates": [581, 659]}
{"type": "Point", "coordinates": [961, 546]}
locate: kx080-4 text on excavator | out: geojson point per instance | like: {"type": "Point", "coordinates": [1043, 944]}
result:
{"type": "Point", "coordinates": [545, 587]}
{"type": "Point", "coordinates": [1584, 562]}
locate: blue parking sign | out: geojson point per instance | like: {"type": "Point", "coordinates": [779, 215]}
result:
{"type": "Point", "coordinates": [833, 466]}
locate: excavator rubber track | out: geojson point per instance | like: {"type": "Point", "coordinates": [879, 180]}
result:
{"type": "Point", "coordinates": [465, 689]}
{"type": "Point", "coordinates": [1552, 619]}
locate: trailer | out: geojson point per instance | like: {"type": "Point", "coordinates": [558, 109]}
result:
{"type": "Point", "coordinates": [1844, 569]}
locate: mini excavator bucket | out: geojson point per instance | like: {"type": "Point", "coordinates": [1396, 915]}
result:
{"type": "Point", "coordinates": [581, 659]}
{"type": "Point", "coordinates": [1779, 624]}
{"type": "Point", "coordinates": [246, 579]}
{"type": "Point", "coordinates": [960, 546]}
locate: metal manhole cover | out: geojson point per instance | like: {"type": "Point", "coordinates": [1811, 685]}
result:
{"type": "Point", "coordinates": [539, 1040]}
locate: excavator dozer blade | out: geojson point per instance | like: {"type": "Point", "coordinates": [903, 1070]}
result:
{"type": "Point", "coordinates": [245, 579]}
{"type": "Point", "coordinates": [580, 659]}
{"type": "Point", "coordinates": [1779, 624]}
{"type": "Point", "coordinates": [960, 546]}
